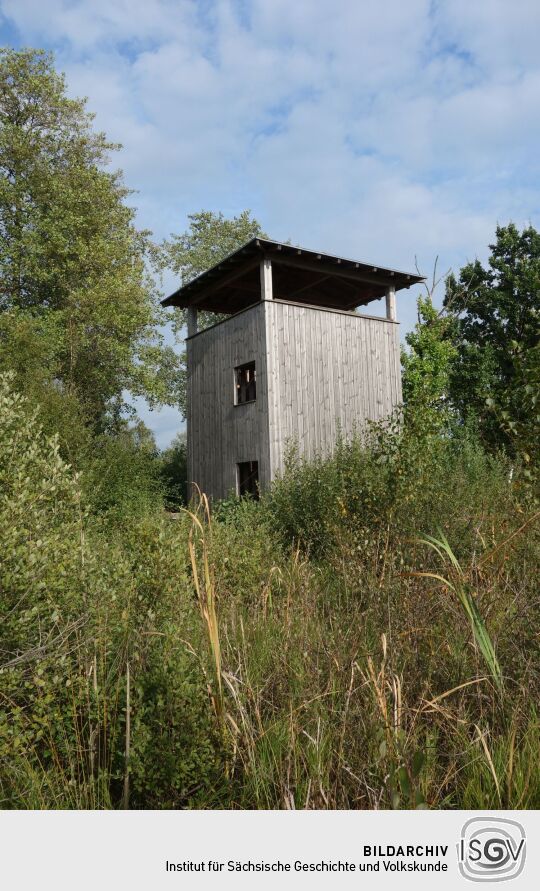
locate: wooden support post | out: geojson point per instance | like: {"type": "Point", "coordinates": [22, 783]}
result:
{"type": "Point", "coordinates": [191, 321]}
{"type": "Point", "coordinates": [266, 279]}
{"type": "Point", "coordinates": [391, 303]}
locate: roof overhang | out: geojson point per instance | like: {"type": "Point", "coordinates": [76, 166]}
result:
{"type": "Point", "coordinates": [300, 275]}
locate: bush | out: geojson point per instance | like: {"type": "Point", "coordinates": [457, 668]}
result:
{"type": "Point", "coordinates": [88, 609]}
{"type": "Point", "coordinates": [121, 475]}
{"type": "Point", "coordinates": [297, 651]}
{"type": "Point", "coordinates": [387, 485]}
{"type": "Point", "coordinates": [174, 472]}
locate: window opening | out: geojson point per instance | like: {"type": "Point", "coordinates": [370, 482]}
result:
{"type": "Point", "coordinates": [245, 383]}
{"type": "Point", "coordinates": [248, 478]}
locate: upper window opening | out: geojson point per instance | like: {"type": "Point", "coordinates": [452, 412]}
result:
{"type": "Point", "coordinates": [245, 383]}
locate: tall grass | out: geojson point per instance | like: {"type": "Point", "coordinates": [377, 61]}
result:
{"type": "Point", "coordinates": [338, 696]}
{"type": "Point", "coordinates": [290, 653]}
{"type": "Point", "coordinates": [459, 587]}
{"type": "Point", "coordinates": [205, 588]}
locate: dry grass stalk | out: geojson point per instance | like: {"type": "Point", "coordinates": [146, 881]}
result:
{"type": "Point", "coordinates": [205, 588]}
{"type": "Point", "coordinates": [125, 797]}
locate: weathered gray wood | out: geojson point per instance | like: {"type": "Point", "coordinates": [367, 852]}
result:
{"type": "Point", "coordinates": [220, 433]}
{"type": "Point", "coordinates": [391, 303]}
{"type": "Point", "coordinates": [366, 281]}
{"type": "Point", "coordinates": [192, 325]}
{"type": "Point", "coordinates": [221, 280]}
{"type": "Point", "coordinates": [336, 370]}
{"type": "Point", "coordinates": [320, 373]}
{"type": "Point", "coordinates": [266, 279]}
{"type": "Point", "coordinates": [377, 277]}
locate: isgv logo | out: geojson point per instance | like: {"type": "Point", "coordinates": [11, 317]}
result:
{"type": "Point", "coordinates": [491, 849]}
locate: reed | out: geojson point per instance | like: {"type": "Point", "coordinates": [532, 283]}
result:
{"type": "Point", "coordinates": [458, 584]}
{"type": "Point", "coordinates": [278, 654]}
{"type": "Point", "coordinates": [205, 587]}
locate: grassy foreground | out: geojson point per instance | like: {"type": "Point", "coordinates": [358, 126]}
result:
{"type": "Point", "coordinates": [366, 636]}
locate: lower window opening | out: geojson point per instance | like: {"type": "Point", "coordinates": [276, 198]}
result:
{"type": "Point", "coordinates": [248, 478]}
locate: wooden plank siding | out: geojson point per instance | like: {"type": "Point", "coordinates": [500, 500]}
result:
{"type": "Point", "coordinates": [319, 372]}
{"type": "Point", "coordinates": [220, 433]}
{"type": "Point", "coordinates": [334, 371]}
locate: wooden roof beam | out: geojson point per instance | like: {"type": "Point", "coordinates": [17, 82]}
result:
{"type": "Point", "coordinates": [201, 294]}
{"type": "Point", "coordinates": [312, 284]}
{"type": "Point", "coordinates": [318, 266]}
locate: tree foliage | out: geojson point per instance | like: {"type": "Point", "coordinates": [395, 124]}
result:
{"type": "Point", "coordinates": [77, 305]}
{"type": "Point", "coordinates": [209, 238]}
{"type": "Point", "coordinates": [497, 311]}
{"type": "Point", "coordinates": [427, 367]}
{"type": "Point", "coordinates": [477, 361]}
{"type": "Point", "coordinates": [174, 471]}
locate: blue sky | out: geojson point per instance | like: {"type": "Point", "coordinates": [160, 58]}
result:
{"type": "Point", "coordinates": [383, 131]}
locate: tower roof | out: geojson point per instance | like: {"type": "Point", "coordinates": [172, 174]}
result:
{"type": "Point", "coordinates": [299, 275]}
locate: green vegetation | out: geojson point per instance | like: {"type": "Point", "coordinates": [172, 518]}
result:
{"type": "Point", "coordinates": [209, 238]}
{"type": "Point", "coordinates": [307, 650]}
{"type": "Point", "coordinates": [79, 314]}
{"type": "Point", "coordinates": [496, 312]}
{"type": "Point", "coordinates": [364, 636]}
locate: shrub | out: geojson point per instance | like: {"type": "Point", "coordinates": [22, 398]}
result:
{"type": "Point", "coordinates": [174, 472]}
{"type": "Point", "coordinates": [317, 662]}
{"type": "Point", "coordinates": [88, 612]}
{"type": "Point", "coordinates": [386, 484]}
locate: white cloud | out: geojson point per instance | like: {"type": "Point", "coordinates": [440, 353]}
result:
{"type": "Point", "coordinates": [90, 24]}
{"type": "Point", "coordinates": [383, 130]}
{"type": "Point", "coordinates": [501, 37]}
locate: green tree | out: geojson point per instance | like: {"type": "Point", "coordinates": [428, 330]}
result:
{"type": "Point", "coordinates": [174, 470]}
{"type": "Point", "coordinates": [427, 367]}
{"type": "Point", "coordinates": [209, 238]}
{"type": "Point", "coordinates": [519, 410]}
{"type": "Point", "coordinates": [498, 332]}
{"type": "Point", "coordinates": [122, 472]}
{"type": "Point", "coordinates": [77, 305]}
